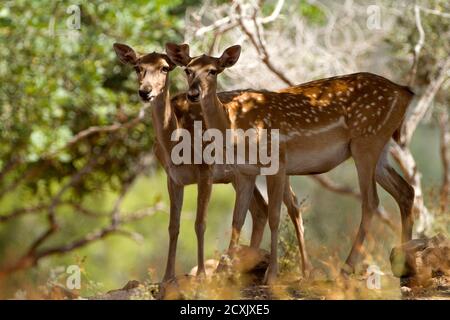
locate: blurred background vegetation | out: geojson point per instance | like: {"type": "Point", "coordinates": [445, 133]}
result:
{"type": "Point", "coordinates": [58, 78]}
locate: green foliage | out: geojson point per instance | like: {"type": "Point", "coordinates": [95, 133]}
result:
{"type": "Point", "coordinates": [289, 257]}
{"type": "Point", "coordinates": [59, 78]}
{"type": "Point", "coordinates": [313, 13]}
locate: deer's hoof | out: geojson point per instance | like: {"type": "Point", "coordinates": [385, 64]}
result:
{"type": "Point", "coordinates": [168, 278]}
{"type": "Point", "coordinates": [347, 270]}
{"type": "Point", "coordinates": [201, 274]}
{"type": "Point", "coordinates": [270, 277]}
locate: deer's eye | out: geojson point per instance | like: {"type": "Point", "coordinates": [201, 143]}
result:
{"type": "Point", "coordinates": [212, 72]}
{"type": "Point", "coordinates": [188, 72]}
{"type": "Point", "coordinates": [165, 69]}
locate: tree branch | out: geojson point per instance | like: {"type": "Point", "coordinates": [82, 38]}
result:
{"type": "Point", "coordinates": [332, 186]}
{"type": "Point", "coordinates": [424, 103]}
{"type": "Point", "coordinates": [101, 129]}
{"type": "Point", "coordinates": [407, 164]}
{"type": "Point", "coordinates": [258, 44]}
{"type": "Point", "coordinates": [418, 46]}
{"type": "Point", "coordinates": [76, 139]}
{"type": "Point", "coordinates": [16, 213]}
{"type": "Point", "coordinates": [33, 255]}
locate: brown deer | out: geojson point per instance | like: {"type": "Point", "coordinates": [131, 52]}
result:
{"type": "Point", "coordinates": [321, 123]}
{"type": "Point", "coordinates": [168, 115]}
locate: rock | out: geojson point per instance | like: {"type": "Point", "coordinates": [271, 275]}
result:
{"type": "Point", "coordinates": [247, 259]}
{"type": "Point", "coordinates": [247, 267]}
{"type": "Point", "coordinates": [180, 288]}
{"type": "Point", "coordinates": [130, 285]}
{"type": "Point", "coordinates": [132, 290]}
{"type": "Point", "coordinates": [249, 263]}
{"type": "Point", "coordinates": [210, 267]}
{"type": "Point", "coordinates": [420, 260]}
{"type": "Point", "coordinates": [405, 290]}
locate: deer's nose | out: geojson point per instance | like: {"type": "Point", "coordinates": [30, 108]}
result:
{"type": "Point", "coordinates": [193, 95]}
{"type": "Point", "coordinates": [144, 94]}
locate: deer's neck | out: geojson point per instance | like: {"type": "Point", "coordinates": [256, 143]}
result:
{"type": "Point", "coordinates": [164, 121]}
{"type": "Point", "coordinates": [213, 110]}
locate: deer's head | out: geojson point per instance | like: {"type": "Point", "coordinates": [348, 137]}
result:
{"type": "Point", "coordinates": [201, 71]}
{"type": "Point", "coordinates": [152, 70]}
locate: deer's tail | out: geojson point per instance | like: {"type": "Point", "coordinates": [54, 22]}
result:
{"type": "Point", "coordinates": [398, 132]}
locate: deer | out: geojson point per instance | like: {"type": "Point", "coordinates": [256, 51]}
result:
{"type": "Point", "coordinates": [168, 115]}
{"type": "Point", "coordinates": [321, 123]}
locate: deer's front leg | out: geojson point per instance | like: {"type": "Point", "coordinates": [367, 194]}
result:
{"type": "Point", "coordinates": [204, 193]}
{"type": "Point", "coordinates": [176, 202]}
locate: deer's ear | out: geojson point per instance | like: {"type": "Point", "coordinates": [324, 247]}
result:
{"type": "Point", "coordinates": [230, 56]}
{"type": "Point", "coordinates": [125, 53]}
{"type": "Point", "coordinates": [172, 65]}
{"type": "Point", "coordinates": [179, 54]}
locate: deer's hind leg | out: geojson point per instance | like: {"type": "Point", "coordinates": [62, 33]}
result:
{"type": "Point", "coordinates": [400, 190]}
{"type": "Point", "coordinates": [293, 209]}
{"type": "Point", "coordinates": [258, 210]}
{"type": "Point", "coordinates": [365, 153]}
{"type": "Point", "coordinates": [275, 189]}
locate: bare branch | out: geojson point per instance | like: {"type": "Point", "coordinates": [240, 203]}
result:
{"type": "Point", "coordinates": [435, 12]}
{"type": "Point", "coordinates": [33, 255]}
{"type": "Point", "coordinates": [82, 210]}
{"type": "Point", "coordinates": [332, 186]}
{"type": "Point", "coordinates": [22, 211]}
{"type": "Point", "coordinates": [258, 43]}
{"type": "Point", "coordinates": [101, 129]}
{"type": "Point", "coordinates": [212, 27]}
{"type": "Point", "coordinates": [407, 164]}
{"type": "Point", "coordinates": [274, 15]}
{"type": "Point", "coordinates": [329, 184]}
{"type": "Point", "coordinates": [418, 46]}
{"type": "Point", "coordinates": [16, 213]}
{"type": "Point", "coordinates": [424, 103]}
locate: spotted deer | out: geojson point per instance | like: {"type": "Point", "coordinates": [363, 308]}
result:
{"type": "Point", "coordinates": [169, 115]}
{"type": "Point", "coordinates": [321, 123]}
